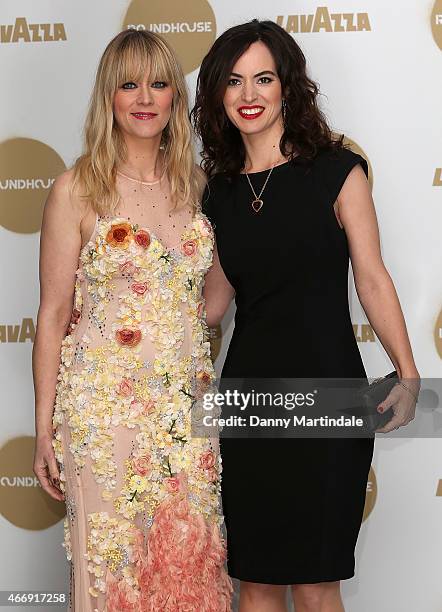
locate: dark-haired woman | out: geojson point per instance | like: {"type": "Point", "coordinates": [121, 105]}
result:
{"type": "Point", "coordinates": [290, 204]}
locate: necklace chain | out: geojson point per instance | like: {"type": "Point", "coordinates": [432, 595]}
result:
{"type": "Point", "coordinates": [130, 178]}
{"type": "Point", "coordinates": [138, 180]}
{"type": "Point", "coordinates": [258, 203]}
{"type": "Point", "coordinates": [257, 197]}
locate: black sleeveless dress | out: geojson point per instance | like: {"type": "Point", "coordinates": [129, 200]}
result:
{"type": "Point", "coordinates": [293, 507]}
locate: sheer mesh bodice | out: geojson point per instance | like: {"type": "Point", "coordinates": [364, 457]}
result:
{"type": "Point", "coordinates": [148, 204]}
{"type": "Point", "coordinates": [143, 525]}
{"type": "Point", "coordinates": [145, 207]}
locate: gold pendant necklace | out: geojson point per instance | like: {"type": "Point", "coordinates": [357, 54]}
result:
{"type": "Point", "coordinates": [258, 203]}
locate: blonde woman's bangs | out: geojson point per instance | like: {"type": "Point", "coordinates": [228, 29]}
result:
{"type": "Point", "coordinates": [138, 57]}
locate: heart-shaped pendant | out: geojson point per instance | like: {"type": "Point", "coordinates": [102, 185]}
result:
{"type": "Point", "coordinates": [257, 205]}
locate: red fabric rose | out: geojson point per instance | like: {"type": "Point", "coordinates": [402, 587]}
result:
{"type": "Point", "coordinates": [142, 238]}
{"type": "Point", "coordinates": [141, 465]}
{"type": "Point", "coordinates": [207, 460]}
{"type": "Point", "coordinates": [140, 288]}
{"type": "Point", "coordinates": [172, 484]}
{"type": "Point", "coordinates": [189, 247]}
{"type": "Point", "coordinates": [126, 387]}
{"type": "Point", "coordinates": [128, 337]}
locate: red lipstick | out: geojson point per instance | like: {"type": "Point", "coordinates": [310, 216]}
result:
{"type": "Point", "coordinates": [144, 116]}
{"type": "Point", "coordinates": [251, 112]}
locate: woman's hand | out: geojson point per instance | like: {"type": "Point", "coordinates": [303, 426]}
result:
{"type": "Point", "coordinates": [403, 402]}
{"type": "Point", "coordinates": [45, 468]}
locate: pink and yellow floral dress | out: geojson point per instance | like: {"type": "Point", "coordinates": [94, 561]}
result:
{"type": "Point", "coordinates": [144, 523]}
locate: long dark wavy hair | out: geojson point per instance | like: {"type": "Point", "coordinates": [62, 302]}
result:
{"type": "Point", "coordinates": [305, 128]}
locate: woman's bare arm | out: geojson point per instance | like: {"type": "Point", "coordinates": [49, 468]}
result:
{"type": "Point", "coordinates": [217, 292]}
{"type": "Point", "coordinates": [373, 283]}
{"type": "Point", "coordinates": [377, 294]}
{"type": "Point", "coordinates": [60, 244]}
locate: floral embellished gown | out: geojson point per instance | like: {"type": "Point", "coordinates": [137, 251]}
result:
{"type": "Point", "coordinates": [143, 529]}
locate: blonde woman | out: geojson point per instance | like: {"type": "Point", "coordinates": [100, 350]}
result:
{"type": "Point", "coordinates": [121, 349]}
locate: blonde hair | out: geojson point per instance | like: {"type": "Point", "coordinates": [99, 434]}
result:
{"type": "Point", "coordinates": [127, 57]}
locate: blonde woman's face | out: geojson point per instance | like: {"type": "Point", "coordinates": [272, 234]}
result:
{"type": "Point", "coordinates": [142, 110]}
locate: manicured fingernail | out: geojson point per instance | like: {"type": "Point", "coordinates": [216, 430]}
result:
{"type": "Point", "coordinates": [380, 409]}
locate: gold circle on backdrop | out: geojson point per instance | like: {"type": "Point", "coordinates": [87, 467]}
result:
{"type": "Point", "coordinates": [436, 23]}
{"type": "Point", "coordinates": [188, 25]}
{"type": "Point", "coordinates": [371, 496]}
{"type": "Point", "coordinates": [215, 341]}
{"type": "Point", "coordinates": [22, 500]}
{"type": "Point", "coordinates": [27, 170]}
{"type": "Point", "coordinates": [438, 334]}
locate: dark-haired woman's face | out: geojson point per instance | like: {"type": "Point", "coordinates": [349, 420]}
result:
{"type": "Point", "coordinates": [253, 96]}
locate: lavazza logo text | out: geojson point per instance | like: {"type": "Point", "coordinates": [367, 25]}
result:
{"type": "Point", "coordinates": [364, 332]}
{"type": "Point", "coordinates": [18, 333]}
{"type": "Point", "coordinates": [22, 31]}
{"type": "Point", "coordinates": [183, 27]}
{"type": "Point", "coordinates": [324, 20]}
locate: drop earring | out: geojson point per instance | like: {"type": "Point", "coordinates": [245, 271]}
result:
{"type": "Point", "coordinates": [284, 110]}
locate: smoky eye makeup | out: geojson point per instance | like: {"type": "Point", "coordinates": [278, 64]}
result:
{"type": "Point", "coordinates": [263, 78]}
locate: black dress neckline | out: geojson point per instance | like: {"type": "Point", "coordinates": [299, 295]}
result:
{"type": "Point", "coordinates": [285, 164]}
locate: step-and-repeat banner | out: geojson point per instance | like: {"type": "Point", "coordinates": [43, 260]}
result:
{"type": "Point", "coordinates": [379, 66]}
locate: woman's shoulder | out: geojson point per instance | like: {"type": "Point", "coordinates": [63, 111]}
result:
{"type": "Point", "coordinates": [66, 187]}
{"type": "Point", "coordinates": [332, 166]}
{"type": "Point", "coordinates": [338, 161]}
{"type": "Point", "coordinates": [64, 196]}
{"type": "Point", "coordinates": [63, 183]}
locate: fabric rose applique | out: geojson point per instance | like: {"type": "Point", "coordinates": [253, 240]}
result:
{"type": "Point", "coordinates": [189, 247]}
{"type": "Point", "coordinates": [128, 337]}
{"type": "Point", "coordinates": [119, 235]}
{"type": "Point", "coordinates": [142, 238]}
